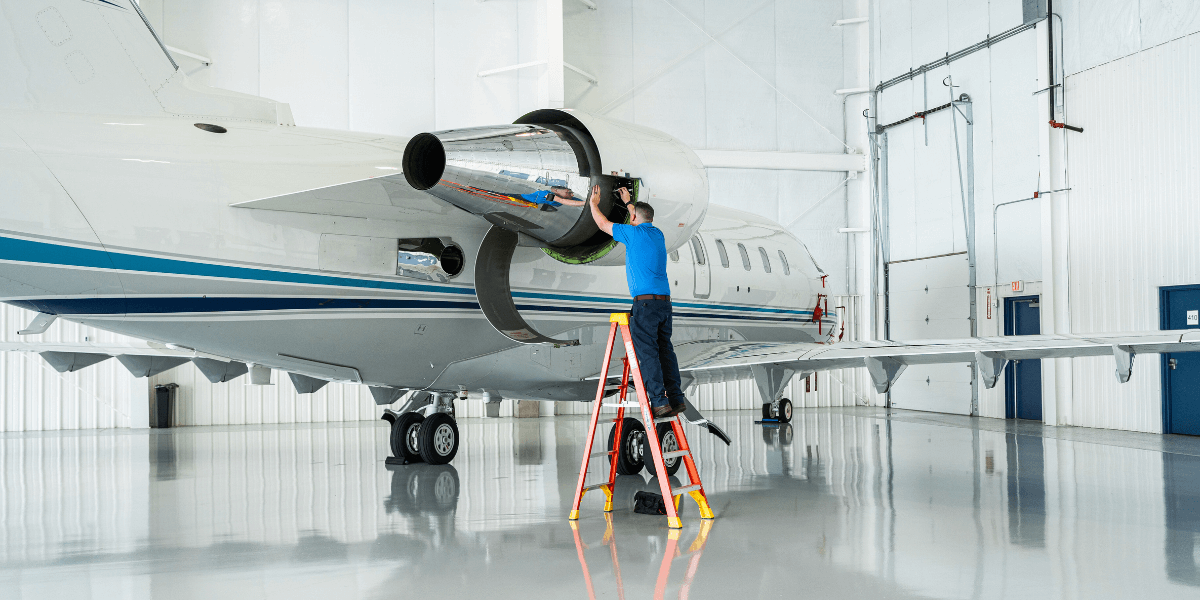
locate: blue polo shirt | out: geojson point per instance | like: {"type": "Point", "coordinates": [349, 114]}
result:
{"type": "Point", "coordinates": [645, 258]}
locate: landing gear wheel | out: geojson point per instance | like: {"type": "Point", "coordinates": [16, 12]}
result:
{"type": "Point", "coordinates": [767, 414]}
{"type": "Point", "coordinates": [438, 441]}
{"type": "Point", "coordinates": [630, 459]}
{"type": "Point", "coordinates": [405, 435]}
{"type": "Point", "coordinates": [668, 443]}
{"type": "Point", "coordinates": [784, 414]}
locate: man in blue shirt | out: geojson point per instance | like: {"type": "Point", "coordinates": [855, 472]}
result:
{"type": "Point", "coordinates": [650, 320]}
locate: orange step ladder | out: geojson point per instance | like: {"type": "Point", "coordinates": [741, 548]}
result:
{"type": "Point", "coordinates": [694, 488]}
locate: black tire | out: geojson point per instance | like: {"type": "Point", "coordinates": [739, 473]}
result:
{"type": "Point", "coordinates": [438, 439]}
{"type": "Point", "coordinates": [785, 410]}
{"type": "Point", "coordinates": [767, 414]}
{"type": "Point", "coordinates": [630, 459]}
{"type": "Point", "coordinates": [668, 443]}
{"type": "Point", "coordinates": [405, 434]}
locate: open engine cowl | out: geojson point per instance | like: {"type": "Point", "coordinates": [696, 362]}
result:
{"type": "Point", "coordinates": [510, 174]}
{"type": "Point", "coordinates": [507, 174]}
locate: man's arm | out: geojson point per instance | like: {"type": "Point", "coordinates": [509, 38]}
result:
{"type": "Point", "coordinates": [564, 196]}
{"type": "Point", "coordinates": [601, 221]}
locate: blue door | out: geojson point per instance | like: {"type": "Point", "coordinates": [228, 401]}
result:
{"type": "Point", "coordinates": [1181, 372]}
{"type": "Point", "coordinates": [1023, 379]}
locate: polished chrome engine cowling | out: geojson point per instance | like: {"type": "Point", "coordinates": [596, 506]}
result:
{"type": "Point", "coordinates": [531, 180]}
{"type": "Point", "coordinates": [509, 174]}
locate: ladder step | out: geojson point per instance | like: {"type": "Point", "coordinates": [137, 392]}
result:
{"type": "Point", "coordinates": [666, 419]}
{"type": "Point", "coordinates": [595, 487]}
{"type": "Point", "coordinates": [685, 489]}
{"type": "Point", "coordinates": [621, 405]}
{"type": "Point", "coordinates": [595, 454]}
{"type": "Point", "coordinates": [667, 455]}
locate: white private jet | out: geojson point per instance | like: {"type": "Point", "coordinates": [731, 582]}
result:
{"type": "Point", "coordinates": [206, 223]}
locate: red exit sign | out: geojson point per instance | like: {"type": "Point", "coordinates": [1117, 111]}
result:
{"type": "Point", "coordinates": [1018, 286]}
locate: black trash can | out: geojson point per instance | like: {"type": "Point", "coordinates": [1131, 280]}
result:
{"type": "Point", "coordinates": [162, 406]}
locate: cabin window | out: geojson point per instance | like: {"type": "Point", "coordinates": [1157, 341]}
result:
{"type": "Point", "coordinates": [698, 250]}
{"type": "Point", "coordinates": [674, 256]}
{"type": "Point", "coordinates": [745, 256]}
{"type": "Point", "coordinates": [783, 259]}
{"type": "Point", "coordinates": [723, 254]}
{"type": "Point", "coordinates": [762, 253]}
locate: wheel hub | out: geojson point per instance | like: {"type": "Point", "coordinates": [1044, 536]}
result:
{"type": "Point", "coordinates": [413, 438]}
{"type": "Point", "coordinates": [669, 444]}
{"type": "Point", "coordinates": [443, 439]}
{"type": "Point", "coordinates": [636, 446]}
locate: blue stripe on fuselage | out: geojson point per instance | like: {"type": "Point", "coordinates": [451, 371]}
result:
{"type": "Point", "coordinates": [229, 305]}
{"type": "Point", "coordinates": [22, 250]}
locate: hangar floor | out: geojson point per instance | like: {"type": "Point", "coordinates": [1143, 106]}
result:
{"type": "Point", "coordinates": [841, 503]}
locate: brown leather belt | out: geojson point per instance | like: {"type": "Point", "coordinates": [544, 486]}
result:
{"type": "Point", "coordinates": [652, 297]}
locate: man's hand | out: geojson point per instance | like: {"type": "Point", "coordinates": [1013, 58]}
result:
{"type": "Point", "coordinates": [624, 192]}
{"type": "Point", "coordinates": [601, 221]}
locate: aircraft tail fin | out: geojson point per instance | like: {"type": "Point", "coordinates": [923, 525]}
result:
{"type": "Point", "coordinates": [102, 56]}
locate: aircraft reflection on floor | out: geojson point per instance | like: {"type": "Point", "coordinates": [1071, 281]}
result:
{"type": "Point", "coordinates": [847, 501]}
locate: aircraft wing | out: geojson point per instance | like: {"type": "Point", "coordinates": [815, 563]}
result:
{"type": "Point", "coordinates": [712, 361]}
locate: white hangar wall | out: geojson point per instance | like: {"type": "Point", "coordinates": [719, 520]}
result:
{"type": "Point", "coordinates": [737, 75]}
{"type": "Point", "coordinates": [1131, 74]}
{"type": "Point", "coordinates": [926, 231]}
{"type": "Point", "coordinates": [1134, 174]}
{"type": "Point", "coordinates": [386, 66]}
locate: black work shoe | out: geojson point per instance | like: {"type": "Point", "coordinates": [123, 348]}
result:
{"type": "Point", "coordinates": [678, 407]}
{"type": "Point", "coordinates": [662, 411]}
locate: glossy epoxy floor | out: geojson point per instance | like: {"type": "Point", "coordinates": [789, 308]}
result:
{"type": "Point", "coordinates": [844, 503]}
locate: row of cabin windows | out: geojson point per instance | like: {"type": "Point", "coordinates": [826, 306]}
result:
{"type": "Point", "coordinates": [762, 254]}
{"type": "Point", "coordinates": [698, 252]}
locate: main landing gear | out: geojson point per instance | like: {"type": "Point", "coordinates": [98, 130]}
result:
{"type": "Point", "coordinates": [633, 456]}
{"type": "Point", "coordinates": [780, 412]}
{"type": "Point", "coordinates": [431, 437]}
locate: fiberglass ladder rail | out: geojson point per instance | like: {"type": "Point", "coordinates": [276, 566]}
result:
{"type": "Point", "coordinates": [694, 488]}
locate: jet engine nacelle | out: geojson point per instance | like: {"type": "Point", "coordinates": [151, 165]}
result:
{"type": "Point", "coordinates": [508, 175]}
{"type": "Point", "coordinates": [517, 176]}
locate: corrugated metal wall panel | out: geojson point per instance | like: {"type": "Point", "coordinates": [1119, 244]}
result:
{"type": "Point", "coordinates": [35, 397]}
{"type": "Point", "coordinates": [1134, 175]}
{"type": "Point", "coordinates": [199, 402]}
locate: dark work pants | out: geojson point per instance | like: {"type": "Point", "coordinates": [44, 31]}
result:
{"type": "Point", "coordinates": [650, 325]}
